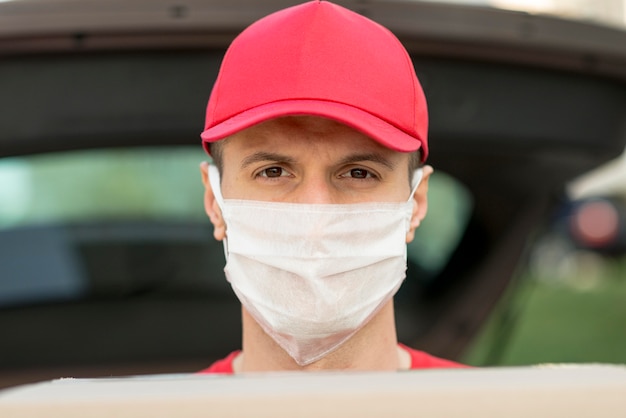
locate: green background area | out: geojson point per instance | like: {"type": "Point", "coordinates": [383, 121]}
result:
{"type": "Point", "coordinates": [548, 321]}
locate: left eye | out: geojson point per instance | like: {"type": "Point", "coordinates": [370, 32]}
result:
{"type": "Point", "coordinates": [359, 173]}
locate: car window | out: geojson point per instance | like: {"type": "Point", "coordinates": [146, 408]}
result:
{"type": "Point", "coordinates": [101, 184]}
{"type": "Point", "coordinates": [90, 218]}
{"type": "Point", "coordinates": [449, 210]}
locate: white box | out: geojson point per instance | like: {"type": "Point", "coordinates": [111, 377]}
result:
{"type": "Point", "coordinates": [529, 392]}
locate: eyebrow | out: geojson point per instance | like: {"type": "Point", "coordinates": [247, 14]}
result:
{"type": "Point", "coordinates": [351, 159]}
{"type": "Point", "coordinates": [265, 156]}
{"type": "Point", "coordinates": [374, 157]}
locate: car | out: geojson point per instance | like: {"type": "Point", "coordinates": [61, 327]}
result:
{"type": "Point", "coordinates": [107, 262]}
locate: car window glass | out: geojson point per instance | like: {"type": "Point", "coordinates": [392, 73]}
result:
{"type": "Point", "coordinates": [91, 214]}
{"type": "Point", "coordinates": [449, 211]}
{"type": "Point", "coordinates": [101, 184]}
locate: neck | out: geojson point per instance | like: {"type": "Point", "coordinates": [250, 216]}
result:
{"type": "Point", "coordinates": [373, 347]}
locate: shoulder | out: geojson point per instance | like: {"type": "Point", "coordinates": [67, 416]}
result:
{"type": "Point", "coordinates": [422, 360]}
{"type": "Point", "coordinates": [223, 366]}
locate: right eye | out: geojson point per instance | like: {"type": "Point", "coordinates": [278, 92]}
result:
{"type": "Point", "coordinates": [273, 172]}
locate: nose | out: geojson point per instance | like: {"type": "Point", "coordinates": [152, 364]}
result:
{"type": "Point", "coordinates": [315, 189]}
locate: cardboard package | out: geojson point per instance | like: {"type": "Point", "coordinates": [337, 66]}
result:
{"type": "Point", "coordinates": [529, 392]}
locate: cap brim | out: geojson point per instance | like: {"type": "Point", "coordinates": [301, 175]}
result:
{"type": "Point", "coordinates": [379, 130]}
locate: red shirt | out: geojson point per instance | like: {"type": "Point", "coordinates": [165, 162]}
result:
{"type": "Point", "coordinates": [419, 360]}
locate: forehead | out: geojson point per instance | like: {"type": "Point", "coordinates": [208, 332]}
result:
{"type": "Point", "coordinates": [304, 133]}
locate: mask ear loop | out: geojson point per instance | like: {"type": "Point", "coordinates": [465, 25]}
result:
{"type": "Point", "coordinates": [214, 181]}
{"type": "Point", "coordinates": [415, 182]}
{"type": "Point", "coordinates": [417, 179]}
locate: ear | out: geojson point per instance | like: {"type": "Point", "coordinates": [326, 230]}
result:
{"type": "Point", "coordinates": [211, 207]}
{"type": "Point", "coordinates": [420, 203]}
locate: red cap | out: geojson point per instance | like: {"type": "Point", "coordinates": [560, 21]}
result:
{"type": "Point", "coordinates": [320, 59]}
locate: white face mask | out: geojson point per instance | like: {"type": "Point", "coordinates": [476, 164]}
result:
{"type": "Point", "coordinates": [312, 275]}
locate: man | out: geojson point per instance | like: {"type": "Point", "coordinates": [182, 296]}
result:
{"type": "Point", "coordinates": [317, 126]}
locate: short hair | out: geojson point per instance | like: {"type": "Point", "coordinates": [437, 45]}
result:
{"type": "Point", "coordinates": [215, 149]}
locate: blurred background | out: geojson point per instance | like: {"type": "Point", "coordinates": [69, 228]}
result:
{"type": "Point", "coordinates": [567, 300]}
{"type": "Point", "coordinates": [107, 262]}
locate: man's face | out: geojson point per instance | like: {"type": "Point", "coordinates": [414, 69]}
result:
{"type": "Point", "coordinates": [308, 159]}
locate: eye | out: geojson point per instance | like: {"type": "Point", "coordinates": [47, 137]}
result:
{"type": "Point", "coordinates": [273, 172]}
{"type": "Point", "coordinates": [359, 173]}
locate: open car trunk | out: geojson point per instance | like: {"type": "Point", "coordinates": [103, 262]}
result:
{"type": "Point", "coordinates": [519, 105]}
